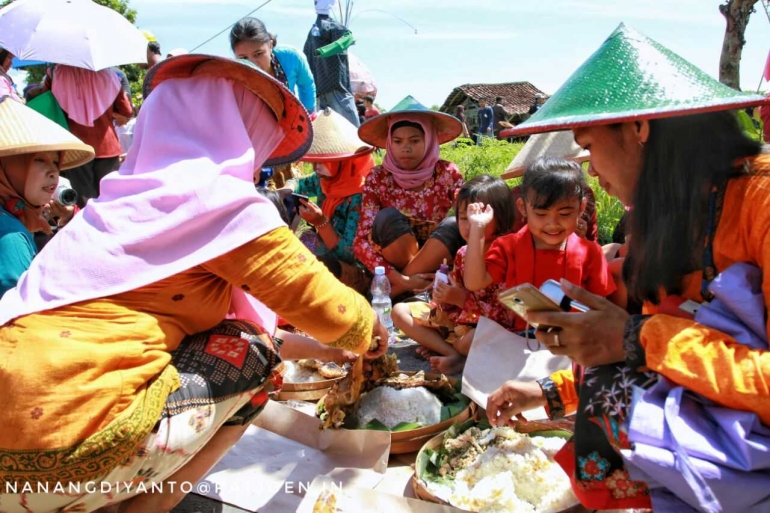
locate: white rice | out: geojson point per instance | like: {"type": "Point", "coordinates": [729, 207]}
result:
{"type": "Point", "coordinates": [392, 407]}
{"type": "Point", "coordinates": [295, 373]}
{"type": "Point", "coordinates": [518, 475]}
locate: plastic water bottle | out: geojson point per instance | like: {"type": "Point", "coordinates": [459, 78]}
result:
{"type": "Point", "coordinates": [381, 301]}
{"type": "Point", "coordinates": [315, 31]}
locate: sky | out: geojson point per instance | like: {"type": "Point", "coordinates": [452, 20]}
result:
{"type": "Point", "coordinates": [471, 41]}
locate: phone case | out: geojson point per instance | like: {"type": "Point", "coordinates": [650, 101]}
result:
{"type": "Point", "coordinates": [526, 298]}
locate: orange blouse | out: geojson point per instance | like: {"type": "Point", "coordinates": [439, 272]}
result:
{"type": "Point", "coordinates": [97, 373]}
{"type": "Point", "coordinates": [699, 358]}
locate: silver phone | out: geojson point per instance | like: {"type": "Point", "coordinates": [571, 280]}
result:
{"type": "Point", "coordinates": [552, 290]}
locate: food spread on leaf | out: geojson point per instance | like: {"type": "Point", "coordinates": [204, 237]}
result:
{"type": "Point", "coordinates": [384, 399]}
{"type": "Point", "coordinates": [488, 469]}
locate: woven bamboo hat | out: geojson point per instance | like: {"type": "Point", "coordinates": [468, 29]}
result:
{"type": "Point", "coordinates": [554, 144]}
{"type": "Point", "coordinates": [291, 115]}
{"type": "Point", "coordinates": [23, 130]}
{"type": "Point", "coordinates": [335, 138]}
{"type": "Point", "coordinates": [631, 77]}
{"type": "Point", "coordinates": [375, 130]}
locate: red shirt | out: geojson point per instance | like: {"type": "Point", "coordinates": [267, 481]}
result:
{"type": "Point", "coordinates": [102, 135]}
{"type": "Point", "coordinates": [370, 113]}
{"type": "Point", "coordinates": [512, 259]}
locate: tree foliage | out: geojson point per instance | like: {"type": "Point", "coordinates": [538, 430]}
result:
{"type": "Point", "coordinates": [133, 72]}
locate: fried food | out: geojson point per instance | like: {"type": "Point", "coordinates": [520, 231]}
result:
{"type": "Point", "coordinates": [326, 502]}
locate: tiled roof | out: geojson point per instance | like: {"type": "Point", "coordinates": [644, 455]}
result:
{"type": "Point", "coordinates": [517, 96]}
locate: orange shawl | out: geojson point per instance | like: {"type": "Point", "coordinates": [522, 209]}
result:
{"type": "Point", "coordinates": [347, 179]}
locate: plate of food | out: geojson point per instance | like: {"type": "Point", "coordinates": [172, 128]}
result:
{"type": "Point", "coordinates": [479, 468]}
{"type": "Point", "coordinates": [414, 407]}
{"type": "Point", "coordinates": [309, 379]}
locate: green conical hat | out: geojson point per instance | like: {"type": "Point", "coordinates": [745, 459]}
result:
{"type": "Point", "coordinates": [375, 130]}
{"type": "Point", "coordinates": [632, 77]}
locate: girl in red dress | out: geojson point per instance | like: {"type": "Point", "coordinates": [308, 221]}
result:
{"type": "Point", "coordinates": [553, 198]}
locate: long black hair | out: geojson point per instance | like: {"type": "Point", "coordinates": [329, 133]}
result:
{"type": "Point", "coordinates": [683, 159]}
{"type": "Point", "coordinates": [490, 191]}
{"type": "Point", "coordinates": [250, 29]}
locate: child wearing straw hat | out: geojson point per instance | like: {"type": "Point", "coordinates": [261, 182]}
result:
{"type": "Point", "coordinates": [33, 150]}
{"type": "Point", "coordinates": [341, 162]}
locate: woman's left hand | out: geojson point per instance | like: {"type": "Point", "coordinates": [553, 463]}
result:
{"type": "Point", "coordinates": [311, 212]}
{"type": "Point", "coordinates": [589, 339]}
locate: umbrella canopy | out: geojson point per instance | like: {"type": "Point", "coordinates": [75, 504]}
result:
{"type": "Point", "coordinates": [79, 33]}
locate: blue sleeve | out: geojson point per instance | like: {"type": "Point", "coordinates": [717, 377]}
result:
{"type": "Point", "coordinates": [16, 254]}
{"type": "Point", "coordinates": [344, 249]}
{"type": "Point", "coordinates": [305, 83]}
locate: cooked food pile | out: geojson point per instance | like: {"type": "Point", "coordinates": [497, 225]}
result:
{"type": "Point", "coordinates": [381, 398]}
{"type": "Point", "coordinates": [498, 469]}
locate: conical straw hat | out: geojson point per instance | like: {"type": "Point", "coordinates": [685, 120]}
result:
{"type": "Point", "coordinates": [23, 130]}
{"type": "Point", "coordinates": [632, 77]}
{"type": "Point", "coordinates": [375, 131]}
{"type": "Point", "coordinates": [335, 138]}
{"type": "Point", "coordinates": [560, 145]}
{"type": "Point", "coordinates": [291, 115]}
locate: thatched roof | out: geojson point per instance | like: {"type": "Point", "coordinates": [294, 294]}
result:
{"type": "Point", "coordinates": [517, 96]}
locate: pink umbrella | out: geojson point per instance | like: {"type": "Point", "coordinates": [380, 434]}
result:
{"type": "Point", "coordinates": [361, 79]}
{"type": "Point", "coordinates": [79, 33]}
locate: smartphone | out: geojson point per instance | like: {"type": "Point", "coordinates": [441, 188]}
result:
{"type": "Point", "coordinates": [527, 298]}
{"type": "Point", "coordinates": [550, 298]}
{"type": "Point", "coordinates": [552, 289]}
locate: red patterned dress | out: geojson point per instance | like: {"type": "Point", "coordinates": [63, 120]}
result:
{"type": "Point", "coordinates": [482, 303]}
{"type": "Point", "coordinates": [429, 204]}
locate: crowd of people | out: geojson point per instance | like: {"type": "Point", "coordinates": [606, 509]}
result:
{"type": "Point", "coordinates": [142, 337]}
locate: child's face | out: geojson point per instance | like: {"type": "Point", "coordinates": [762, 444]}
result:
{"type": "Point", "coordinates": [550, 227]}
{"type": "Point", "coordinates": [408, 147]}
{"type": "Point", "coordinates": [465, 226]}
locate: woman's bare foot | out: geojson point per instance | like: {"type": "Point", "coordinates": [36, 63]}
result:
{"type": "Point", "coordinates": [448, 365]}
{"type": "Point", "coordinates": [425, 353]}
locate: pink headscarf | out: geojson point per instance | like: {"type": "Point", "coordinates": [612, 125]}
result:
{"type": "Point", "coordinates": [422, 173]}
{"type": "Point", "coordinates": [184, 196]}
{"type": "Point", "coordinates": [84, 94]}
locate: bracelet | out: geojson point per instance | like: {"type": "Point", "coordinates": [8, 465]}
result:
{"type": "Point", "coordinates": [326, 221]}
